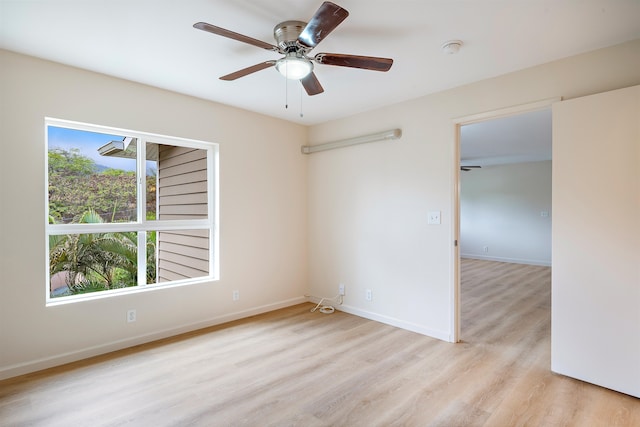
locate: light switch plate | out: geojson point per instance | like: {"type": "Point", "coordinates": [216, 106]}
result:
{"type": "Point", "coordinates": [434, 217]}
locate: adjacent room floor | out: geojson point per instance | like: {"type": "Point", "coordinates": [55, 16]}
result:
{"type": "Point", "coordinates": [292, 367]}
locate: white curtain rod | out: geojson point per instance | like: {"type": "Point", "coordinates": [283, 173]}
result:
{"type": "Point", "coordinates": [381, 136]}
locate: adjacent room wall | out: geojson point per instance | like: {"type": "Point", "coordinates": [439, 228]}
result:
{"type": "Point", "coordinates": [501, 210]}
{"type": "Point", "coordinates": [263, 230]}
{"type": "Point", "coordinates": [369, 204]}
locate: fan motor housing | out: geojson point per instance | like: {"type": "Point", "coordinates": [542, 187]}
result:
{"type": "Point", "coordinates": [286, 34]}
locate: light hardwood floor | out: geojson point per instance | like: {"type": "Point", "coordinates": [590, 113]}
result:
{"type": "Point", "coordinates": [296, 368]}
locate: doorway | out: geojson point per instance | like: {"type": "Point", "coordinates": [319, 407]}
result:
{"type": "Point", "coordinates": [502, 192]}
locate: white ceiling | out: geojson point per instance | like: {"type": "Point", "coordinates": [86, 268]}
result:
{"type": "Point", "coordinates": [153, 42]}
{"type": "Point", "coordinates": [520, 138]}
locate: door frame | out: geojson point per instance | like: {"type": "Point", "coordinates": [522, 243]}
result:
{"type": "Point", "coordinates": [457, 123]}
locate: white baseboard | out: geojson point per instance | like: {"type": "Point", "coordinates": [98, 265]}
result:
{"type": "Point", "coordinates": [73, 356]}
{"type": "Point", "coordinates": [398, 323]}
{"type": "Point", "coordinates": [392, 321]}
{"type": "Point", "coordinates": [510, 260]}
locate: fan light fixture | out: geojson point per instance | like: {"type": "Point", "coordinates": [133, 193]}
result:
{"type": "Point", "coordinates": [294, 67]}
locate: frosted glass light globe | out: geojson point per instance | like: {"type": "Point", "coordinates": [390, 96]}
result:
{"type": "Point", "coordinates": [294, 68]}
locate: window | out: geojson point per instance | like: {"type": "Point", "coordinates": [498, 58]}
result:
{"type": "Point", "coordinates": [127, 211]}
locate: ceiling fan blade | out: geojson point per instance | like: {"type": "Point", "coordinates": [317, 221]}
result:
{"type": "Point", "coordinates": [235, 36]}
{"type": "Point", "coordinates": [325, 20]}
{"type": "Point", "coordinates": [354, 61]}
{"type": "Point", "coordinates": [248, 70]}
{"type": "Point", "coordinates": [311, 84]}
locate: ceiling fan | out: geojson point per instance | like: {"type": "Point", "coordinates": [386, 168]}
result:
{"type": "Point", "coordinates": [295, 39]}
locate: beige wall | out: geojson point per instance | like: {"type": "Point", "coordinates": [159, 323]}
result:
{"type": "Point", "coordinates": [363, 208]}
{"type": "Point", "coordinates": [368, 204]}
{"type": "Point", "coordinates": [262, 214]}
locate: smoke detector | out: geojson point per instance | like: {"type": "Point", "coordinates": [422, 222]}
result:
{"type": "Point", "coordinates": [451, 47]}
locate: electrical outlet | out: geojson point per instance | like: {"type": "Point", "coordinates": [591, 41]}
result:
{"type": "Point", "coordinates": [131, 316]}
{"type": "Point", "coordinates": [368, 295]}
{"type": "Point", "coordinates": [236, 295]}
{"type": "Point", "coordinates": [434, 217]}
{"type": "Point", "coordinates": [341, 288]}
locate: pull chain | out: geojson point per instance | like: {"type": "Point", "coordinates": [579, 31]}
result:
{"type": "Point", "coordinates": [286, 88]}
{"type": "Point", "coordinates": [301, 115]}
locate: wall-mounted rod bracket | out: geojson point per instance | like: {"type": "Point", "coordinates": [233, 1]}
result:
{"type": "Point", "coordinates": [381, 136]}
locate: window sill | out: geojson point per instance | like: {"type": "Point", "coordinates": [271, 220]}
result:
{"type": "Point", "coordinates": [71, 299]}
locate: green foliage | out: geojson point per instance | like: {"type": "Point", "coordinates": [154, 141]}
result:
{"type": "Point", "coordinates": [79, 193]}
{"type": "Point", "coordinates": [112, 196]}
{"type": "Point", "coordinates": [75, 187]}
{"type": "Point", "coordinates": [69, 162]}
{"type": "Point", "coordinates": [117, 172]}
{"type": "Point", "coordinates": [92, 261]}
{"type": "Point", "coordinates": [98, 261]}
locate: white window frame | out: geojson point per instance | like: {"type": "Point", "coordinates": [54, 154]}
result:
{"type": "Point", "coordinates": [141, 226]}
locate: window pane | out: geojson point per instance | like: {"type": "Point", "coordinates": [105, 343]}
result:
{"type": "Point", "coordinates": [83, 263]}
{"type": "Point", "coordinates": [94, 179]}
{"type": "Point", "coordinates": [91, 172]}
{"type": "Point", "coordinates": [151, 172]}
{"type": "Point", "coordinates": [182, 254]}
{"type": "Point", "coordinates": [181, 182]}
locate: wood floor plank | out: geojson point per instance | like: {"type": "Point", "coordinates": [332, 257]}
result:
{"type": "Point", "coordinates": [292, 367]}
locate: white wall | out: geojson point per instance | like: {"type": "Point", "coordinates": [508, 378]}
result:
{"type": "Point", "coordinates": [368, 204]}
{"type": "Point", "coordinates": [501, 209]}
{"type": "Point", "coordinates": [262, 212]}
